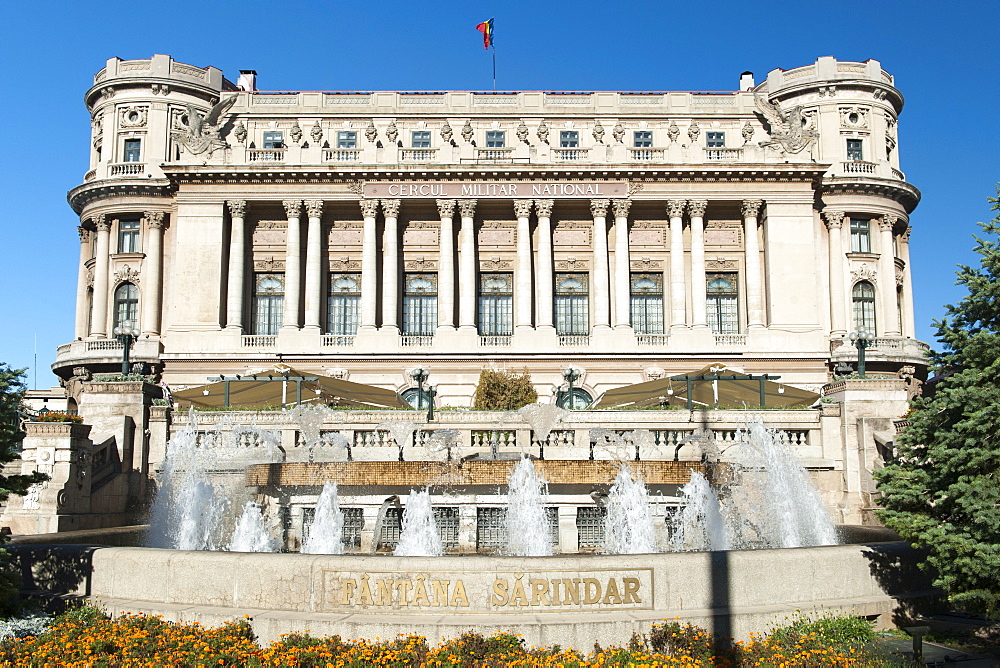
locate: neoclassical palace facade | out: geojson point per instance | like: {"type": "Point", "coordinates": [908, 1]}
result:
{"type": "Point", "coordinates": [631, 235]}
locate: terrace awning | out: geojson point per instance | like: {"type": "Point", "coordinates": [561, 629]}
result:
{"type": "Point", "coordinates": [724, 387]}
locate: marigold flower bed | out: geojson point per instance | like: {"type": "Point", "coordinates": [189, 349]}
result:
{"type": "Point", "coordinates": [86, 637]}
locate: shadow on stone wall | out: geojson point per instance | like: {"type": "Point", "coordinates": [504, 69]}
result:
{"type": "Point", "coordinates": [52, 575]}
{"type": "Point", "coordinates": [895, 566]}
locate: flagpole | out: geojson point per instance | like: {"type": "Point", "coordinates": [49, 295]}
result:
{"type": "Point", "coordinates": [494, 49]}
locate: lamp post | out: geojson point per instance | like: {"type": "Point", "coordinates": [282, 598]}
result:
{"type": "Point", "coordinates": [862, 339]}
{"type": "Point", "coordinates": [570, 374]}
{"type": "Point", "coordinates": [126, 333]}
{"type": "Point", "coordinates": [431, 393]}
{"type": "Point", "coordinates": [420, 374]}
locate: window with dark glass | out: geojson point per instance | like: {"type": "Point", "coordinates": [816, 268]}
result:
{"type": "Point", "coordinates": [576, 401]}
{"type": "Point", "coordinates": [133, 150]}
{"type": "Point", "coordinates": [126, 304]}
{"type": "Point", "coordinates": [420, 304]}
{"type": "Point", "coordinates": [569, 139]}
{"type": "Point", "coordinates": [495, 139]}
{"type": "Point", "coordinates": [715, 139]}
{"type": "Point", "coordinates": [496, 304]}
{"type": "Point", "coordinates": [347, 139]}
{"type": "Point", "coordinates": [274, 139]}
{"type": "Point", "coordinates": [854, 150]}
{"type": "Point", "coordinates": [128, 236]}
{"type": "Point", "coordinates": [268, 303]}
{"type": "Point", "coordinates": [642, 138]}
{"type": "Point", "coordinates": [421, 139]}
{"type": "Point", "coordinates": [646, 303]}
{"type": "Point", "coordinates": [416, 398]}
{"type": "Point", "coordinates": [343, 304]}
{"type": "Point", "coordinates": [723, 300]}
{"type": "Point", "coordinates": [861, 241]}
{"type": "Point", "coordinates": [572, 304]}
{"type": "Point", "coordinates": [863, 297]}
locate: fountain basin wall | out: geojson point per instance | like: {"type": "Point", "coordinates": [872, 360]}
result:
{"type": "Point", "coordinates": [568, 600]}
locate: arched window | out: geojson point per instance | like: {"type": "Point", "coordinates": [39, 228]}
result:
{"type": "Point", "coordinates": [416, 398]}
{"type": "Point", "coordinates": [420, 304]}
{"type": "Point", "coordinates": [572, 304]}
{"type": "Point", "coordinates": [496, 303]}
{"type": "Point", "coordinates": [722, 308]}
{"type": "Point", "coordinates": [578, 400]}
{"type": "Point", "coordinates": [647, 303]}
{"type": "Point", "coordinates": [342, 304]}
{"type": "Point", "coordinates": [268, 303]}
{"type": "Point", "coordinates": [126, 304]}
{"type": "Point", "coordinates": [863, 298]}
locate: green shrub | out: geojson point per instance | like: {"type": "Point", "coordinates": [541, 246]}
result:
{"type": "Point", "coordinates": [503, 391]}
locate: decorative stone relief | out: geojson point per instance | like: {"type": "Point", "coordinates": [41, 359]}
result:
{"type": "Point", "coordinates": [696, 208]}
{"type": "Point", "coordinates": [446, 208]}
{"type": "Point", "coordinates": [653, 373]}
{"type": "Point", "coordinates": [675, 207]}
{"type": "Point", "coordinates": [339, 373]}
{"type": "Point", "coordinates": [791, 131]}
{"type": "Point", "coordinates": [159, 89]}
{"type": "Point", "coordinates": [421, 264]}
{"type": "Point", "coordinates": [240, 132]}
{"type": "Point", "coordinates": [635, 187]}
{"type": "Point", "coordinates": [296, 132]}
{"type": "Point", "coordinates": [865, 273]}
{"type": "Point", "coordinates": [446, 132]}
{"type": "Point", "coordinates": [97, 124]}
{"type": "Point", "coordinates": [599, 208]}
{"type": "Point", "coordinates": [126, 275]}
{"type": "Point", "coordinates": [237, 207]}
{"type": "Point", "coordinates": [899, 277]}
{"type": "Point", "coordinates": [467, 131]}
{"type": "Point", "coordinates": [314, 208]}
{"type": "Point", "coordinates": [369, 208]}
{"type": "Point", "coordinates": [621, 207]}
{"type": "Point", "coordinates": [101, 222]}
{"type": "Point", "coordinates": [133, 116]}
{"type": "Point", "coordinates": [673, 131]}
{"type": "Point", "coordinates": [694, 131]}
{"type": "Point", "coordinates": [887, 222]}
{"type": "Point", "coordinates": [390, 207]}
{"type": "Point", "coordinates": [572, 264]}
{"type": "Point", "coordinates": [720, 264]}
{"type": "Point", "coordinates": [853, 117]}
{"type": "Point", "coordinates": [355, 187]}
{"type": "Point", "coordinates": [154, 219]}
{"type": "Point", "coordinates": [618, 132]}
{"type": "Point", "coordinates": [202, 132]}
{"type": "Point", "coordinates": [751, 207]}
{"type": "Point", "coordinates": [543, 132]}
{"type": "Point", "coordinates": [343, 264]}
{"type": "Point", "coordinates": [747, 132]}
{"type": "Point", "coordinates": [269, 264]}
{"type": "Point", "coordinates": [718, 233]}
{"type": "Point", "coordinates": [598, 132]}
{"type": "Point", "coordinates": [522, 208]}
{"type": "Point", "coordinates": [543, 207]}
{"type": "Point", "coordinates": [646, 263]}
{"type": "Point", "coordinates": [494, 264]}
{"type": "Point", "coordinates": [90, 277]}
{"type": "Point", "coordinates": [467, 207]}
{"type": "Point", "coordinates": [293, 207]}
{"type": "Point", "coordinates": [316, 132]}
{"type": "Point", "coordinates": [834, 219]}
{"type": "Point", "coordinates": [392, 132]}
{"type": "Point", "coordinates": [371, 132]}
{"type": "Point", "coordinates": [522, 132]}
{"type": "Point", "coordinates": [825, 91]}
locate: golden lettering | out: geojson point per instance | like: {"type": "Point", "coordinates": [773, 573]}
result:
{"type": "Point", "coordinates": [365, 593]}
{"type": "Point", "coordinates": [459, 598]}
{"type": "Point", "coordinates": [384, 592]}
{"type": "Point", "coordinates": [420, 592]}
{"type": "Point", "coordinates": [403, 587]}
{"type": "Point", "coordinates": [611, 595]}
{"type": "Point", "coordinates": [555, 592]}
{"type": "Point", "coordinates": [539, 592]}
{"type": "Point", "coordinates": [591, 590]}
{"type": "Point", "coordinates": [572, 589]}
{"type": "Point", "coordinates": [518, 597]}
{"type": "Point", "coordinates": [499, 593]}
{"type": "Point", "coordinates": [440, 592]}
{"type": "Point", "coordinates": [631, 590]}
{"type": "Point", "coordinates": [347, 590]}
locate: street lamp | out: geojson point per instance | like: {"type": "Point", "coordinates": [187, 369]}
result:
{"type": "Point", "coordinates": [126, 333]}
{"type": "Point", "coordinates": [570, 375]}
{"type": "Point", "coordinates": [862, 339]}
{"type": "Point", "coordinates": [420, 375]}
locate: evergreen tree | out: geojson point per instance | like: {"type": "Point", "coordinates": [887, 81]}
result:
{"type": "Point", "coordinates": [503, 391]}
{"type": "Point", "coordinates": [12, 389]}
{"type": "Point", "coordinates": [942, 491]}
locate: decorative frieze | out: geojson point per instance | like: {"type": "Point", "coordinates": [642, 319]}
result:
{"type": "Point", "coordinates": [269, 264]}
{"type": "Point", "coordinates": [722, 264]}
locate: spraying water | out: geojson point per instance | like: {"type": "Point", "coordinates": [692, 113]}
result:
{"type": "Point", "coordinates": [250, 534]}
{"type": "Point", "coordinates": [527, 524]}
{"type": "Point", "coordinates": [699, 524]}
{"type": "Point", "coordinates": [327, 529]}
{"type": "Point", "coordinates": [401, 432]}
{"type": "Point", "coordinates": [629, 525]}
{"type": "Point", "coordinates": [419, 535]}
{"type": "Point", "coordinates": [543, 418]}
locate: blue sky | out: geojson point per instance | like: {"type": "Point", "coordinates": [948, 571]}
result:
{"type": "Point", "coordinates": [944, 57]}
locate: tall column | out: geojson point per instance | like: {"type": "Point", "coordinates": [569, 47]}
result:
{"type": "Point", "coordinates": [904, 255]}
{"type": "Point", "coordinates": [153, 273]}
{"type": "Point", "coordinates": [293, 263]}
{"type": "Point", "coordinates": [467, 265]}
{"type": "Point", "coordinates": [523, 294]}
{"type": "Point", "coordinates": [99, 317]}
{"type": "Point", "coordinates": [369, 264]}
{"type": "Point", "coordinates": [887, 274]}
{"type": "Point", "coordinates": [602, 288]}
{"type": "Point", "coordinates": [446, 264]}
{"type": "Point", "coordinates": [390, 265]}
{"type": "Point", "coordinates": [838, 305]}
{"type": "Point", "coordinates": [237, 265]}
{"type": "Point", "coordinates": [314, 272]}
{"type": "Point", "coordinates": [696, 209]}
{"type": "Point", "coordinates": [675, 210]}
{"type": "Point", "coordinates": [82, 307]}
{"type": "Point", "coordinates": [544, 277]}
{"type": "Point", "coordinates": [755, 293]}
{"type": "Point", "coordinates": [623, 264]}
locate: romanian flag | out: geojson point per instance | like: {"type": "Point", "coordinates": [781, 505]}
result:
{"type": "Point", "coordinates": [486, 27]}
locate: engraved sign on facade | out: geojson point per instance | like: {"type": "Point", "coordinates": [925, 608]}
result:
{"type": "Point", "coordinates": [498, 189]}
{"type": "Point", "coordinates": [495, 237]}
{"type": "Point", "coordinates": [571, 237]}
{"type": "Point", "coordinates": [345, 237]}
{"type": "Point", "coordinates": [721, 234]}
{"type": "Point", "coordinates": [436, 592]}
{"type": "Point", "coordinates": [420, 237]}
{"type": "Point", "coordinates": [646, 237]}
{"type": "Point", "coordinates": [270, 233]}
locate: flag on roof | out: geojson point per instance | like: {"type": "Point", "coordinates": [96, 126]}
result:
{"type": "Point", "coordinates": [486, 27]}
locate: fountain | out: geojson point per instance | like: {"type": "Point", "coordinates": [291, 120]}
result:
{"type": "Point", "coordinates": [419, 534]}
{"type": "Point", "coordinates": [629, 525]}
{"type": "Point", "coordinates": [250, 534]}
{"type": "Point", "coordinates": [543, 418]}
{"type": "Point", "coordinates": [401, 432]}
{"type": "Point", "coordinates": [527, 526]}
{"type": "Point", "coordinates": [327, 529]}
{"type": "Point", "coordinates": [698, 525]}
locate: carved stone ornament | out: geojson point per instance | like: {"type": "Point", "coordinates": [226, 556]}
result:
{"type": "Point", "coordinates": [467, 131]}
{"type": "Point", "coordinates": [343, 264]}
{"type": "Point", "coordinates": [673, 131]}
{"type": "Point", "coordinates": [887, 222]}
{"type": "Point", "coordinates": [522, 208]}
{"type": "Point", "coordinates": [647, 263]}
{"type": "Point", "coordinates": [269, 264]}
{"type": "Point", "coordinates": [296, 132]}
{"type": "Point", "coordinates": [420, 264]}
{"type": "Point", "coordinates": [493, 264]}
{"type": "Point", "coordinates": [635, 187]}
{"type": "Point", "coordinates": [101, 222]}
{"type": "Point", "coordinates": [159, 89]}
{"type": "Point", "coordinates": [392, 132]}
{"type": "Point", "coordinates": [203, 132]}
{"type": "Point", "coordinates": [747, 132]}
{"type": "Point", "coordinates": [572, 264]}
{"type": "Point", "coordinates": [446, 208]}
{"type": "Point", "coordinates": [133, 116]}
{"type": "Point", "coordinates": [154, 219]}
{"type": "Point", "coordinates": [369, 208]}
{"type": "Point", "coordinates": [84, 234]}
{"type": "Point", "coordinates": [314, 208]}
{"type": "Point", "coordinates": [126, 275]}
{"type": "Point", "coordinates": [834, 219]}
{"type": "Point", "coordinates": [338, 372]}
{"type": "Point", "coordinates": [899, 277]}
{"type": "Point", "coordinates": [543, 132]}
{"type": "Point", "coordinates": [543, 207]}
{"type": "Point", "coordinates": [865, 273]}
{"type": "Point", "coordinates": [390, 207]}
{"type": "Point", "coordinates": [653, 373]}
{"type": "Point", "coordinates": [316, 132]}
{"type": "Point", "coordinates": [621, 207]}
{"type": "Point", "coordinates": [522, 132]}
{"type": "Point", "coordinates": [675, 208]}
{"type": "Point", "coordinates": [694, 131]}
{"type": "Point", "coordinates": [618, 132]}
{"type": "Point", "coordinates": [446, 132]}
{"type": "Point", "coordinates": [467, 207]}
{"type": "Point", "coordinates": [90, 277]}
{"type": "Point", "coordinates": [599, 207]}
{"type": "Point", "coordinates": [791, 131]}
{"type": "Point", "coordinates": [853, 117]}
{"type": "Point", "coordinates": [696, 208]}
{"type": "Point", "coordinates": [355, 187]}
{"type": "Point", "coordinates": [721, 264]}
{"type": "Point", "coordinates": [237, 207]}
{"type": "Point", "coordinates": [598, 132]}
{"type": "Point", "coordinates": [751, 207]}
{"type": "Point", "coordinates": [371, 132]}
{"type": "Point", "coordinates": [293, 207]}
{"type": "Point", "coordinates": [240, 132]}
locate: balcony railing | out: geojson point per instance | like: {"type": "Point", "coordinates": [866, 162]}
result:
{"type": "Point", "coordinates": [569, 154]}
{"type": "Point", "coordinates": [494, 341]}
{"type": "Point", "coordinates": [651, 339]}
{"type": "Point", "coordinates": [265, 155]}
{"type": "Point", "coordinates": [90, 176]}
{"type": "Point", "coordinates": [574, 340]}
{"type": "Point", "coordinates": [724, 154]}
{"type": "Point", "coordinates": [416, 341]}
{"type": "Point", "coordinates": [494, 154]}
{"type": "Point", "coordinates": [128, 169]}
{"type": "Point", "coordinates": [104, 344]}
{"type": "Point", "coordinates": [898, 174]}
{"type": "Point", "coordinates": [859, 167]}
{"type": "Point", "coordinates": [417, 154]}
{"type": "Point", "coordinates": [730, 339]}
{"type": "Point", "coordinates": [336, 340]}
{"type": "Point", "coordinates": [645, 154]}
{"type": "Point", "coordinates": [341, 155]}
{"type": "Point", "coordinates": [259, 340]}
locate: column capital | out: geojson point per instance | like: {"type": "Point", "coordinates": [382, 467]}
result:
{"type": "Point", "coordinates": [369, 207]}
{"type": "Point", "coordinates": [446, 208]}
{"type": "Point", "coordinates": [751, 207]}
{"type": "Point", "coordinates": [696, 207]}
{"type": "Point", "coordinates": [621, 207]}
{"type": "Point", "coordinates": [154, 219]}
{"type": "Point", "coordinates": [293, 207]}
{"type": "Point", "coordinates": [887, 222]}
{"type": "Point", "coordinates": [101, 222]}
{"type": "Point", "coordinates": [237, 207]}
{"type": "Point", "coordinates": [675, 207]}
{"type": "Point", "coordinates": [390, 207]}
{"type": "Point", "coordinates": [522, 208]}
{"type": "Point", "coordinates": [84, 233]}
{"type": "Point", "coordinates": [905, 236]}
{"type": "Point", "coordinates": [467, 207]}
{"type": "Point", "coordinates": [834, 219]}
{"type": "Point", "coordinates": [543, 207]}
{"type": "Point", "coordinates": [314, 208]}
{"type": "Point", "coordinates": [599, 207]}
